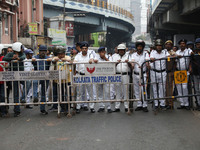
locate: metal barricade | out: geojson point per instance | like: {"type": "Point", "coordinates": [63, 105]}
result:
{"type": "Point", "coordinates": [61, 84]}
{"type": "Point", "coordinates": [169, 79]}
{"type": "Point", "coordinates": [100, 83]}
{"type": "Point", "coordinates": [27, 83]}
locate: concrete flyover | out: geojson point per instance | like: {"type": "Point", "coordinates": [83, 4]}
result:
{"type": "Point", "coordinates": [170, 17]}
{"type": "Point", "coordinates": [118, 23]}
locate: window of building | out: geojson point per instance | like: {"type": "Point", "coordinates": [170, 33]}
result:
{"type": "Point", "coordinates": [6, 24]}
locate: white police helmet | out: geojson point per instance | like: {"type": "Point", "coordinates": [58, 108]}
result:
{"type": "Point", "coordinates": [121, 46]}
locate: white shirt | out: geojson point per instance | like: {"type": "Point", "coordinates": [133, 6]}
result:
{"type": "Point", "coordinates": [159, 64]}
{"type": "Point", "coordinates": [140, 59]}
{"type": "Point", "coordinates": [107, 56]}
{"type": "Point", "coordinates": [84, 59]}
{"type": "Point", "coordinates": [121, 67]}
{"type": "Point", "coordinates": [28, 66]}
{"type": "Point", "coordinates": [183, 63]}
{"type": "Point", "coordinates": [114, 55]}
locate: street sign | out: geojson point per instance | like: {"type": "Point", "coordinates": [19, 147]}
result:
{"type": "Point", "coordinates": [180, 77]}
{"type": "Point", "coordinates": [79, 15]}
{"type": "Point", "coordinates": [32, 28]}
{"type": "Point", "coordinates": [59, 36]}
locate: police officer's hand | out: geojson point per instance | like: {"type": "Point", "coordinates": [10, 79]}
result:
{"type": "Point", "coordinates": [152, 59]}
{"type": "Point", "coordinates": [55, 59]}
{"type": "Point", "coordinates": [126, 60]}
{"type": "Point", "coordinates": [119, 61]}
{"type": "Point", "coordinates": [49, 59]}
{"type": "Point", "coordinates": [33, 59]}
{"type": "Point", "coordinates": [95, 61]}
{"type": "Point", "coordinates": [90, 61]}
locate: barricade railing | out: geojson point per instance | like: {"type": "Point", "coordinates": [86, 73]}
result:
{"type": "Point", "coordinates": [96, 83]}
{"type": "Point", "coordinates": [62, 84]}
{"type": "Point", "coordinates": [172, 78]}
{"type": "Point", "coordinates": [27, 83]}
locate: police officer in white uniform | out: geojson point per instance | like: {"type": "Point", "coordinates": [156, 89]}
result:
{"type": "Point", "coordinates": [84, 57]}
{"type": "Point", "coordinates": [140, 56]}
{"type": "Point", "coordinates": [183, 64]}
{"type": "Point", "coordinates": [158, 73]}
{"type": "Point", "coordinates": [103, 89]}
{"type": "Point", "coordinates": [122, 89]}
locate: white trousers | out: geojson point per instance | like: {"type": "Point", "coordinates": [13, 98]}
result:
{"type": "Point", "coordinates": [158, 80]}
{"type": "Point", "coordinates": [122, 91]}
{"type": "Point", "coordinates": [82, 95]}
{"type": "Point", "coordinates": [103, 94]}
{"type": "Point", "coordinates": [182, 91]}
{"type": "Point", "coordinates": [138, 90]}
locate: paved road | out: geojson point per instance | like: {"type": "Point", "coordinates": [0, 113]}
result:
{"type": "Point", "coordinates": [169, 130]}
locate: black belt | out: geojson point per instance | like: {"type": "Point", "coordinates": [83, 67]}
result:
{"type": "Point", "coordinates": [124, 73]}
{"type": "Point", "coordinates": [168, 71]}
{"type": "Point", "coordinates": [137, 73]}
{"type": "Point", "coordinates": [158, 70]}
{"type": "Point", "coordinates": [80, 73]}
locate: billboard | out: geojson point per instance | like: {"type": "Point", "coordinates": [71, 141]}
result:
{"type": "Point", "coordinates": [69, 27]}
{"type": "Point", "coordinates": [58, 36]}
{"type": "Point", "coordinates": [32, 28]}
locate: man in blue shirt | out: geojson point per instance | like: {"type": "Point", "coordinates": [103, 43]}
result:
{"type": "Point", "coordinates": [42, 65]}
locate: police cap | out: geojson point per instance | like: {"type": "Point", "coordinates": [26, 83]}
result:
{"type": "Point", "coordinates": [101, 49]}
{"type": "Point", "coordinates": [182, 40]}
{"type": "Point", "coordinates": [43, 48]}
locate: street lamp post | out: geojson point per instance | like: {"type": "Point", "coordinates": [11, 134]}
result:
{"type": "Point", "coordinates": [64, 16]}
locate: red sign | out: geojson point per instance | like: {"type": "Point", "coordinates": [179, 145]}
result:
{"type": "Point", "coordinates": [69, 27]}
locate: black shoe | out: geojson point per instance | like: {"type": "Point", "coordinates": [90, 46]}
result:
{"type": "Point", "coordinates": [187, 107]}
{"type": "Point", "coordinates": [4, 115]}
{"type": "Point", "coordinates": [126, 109]}
{"type": "Point", "coordinates": [138, 109]}
{"type": "Point", "coordinates": [145, 109]}
{"type": "Point", "coordinates": [54, 109]}
{"type": "Point", "coordinates": [169, 107]}
{"type": "Point", "coordinates": [117, 110]}
{"type": "Point", "coordinates": [163, 108]}
{"type": "Point", "coordinates": [35, 100]}
{"type": "Point", "coordinates": [78, 111]}
{"type": "Point", "coordinates": [198, 108]}
{"type": "Point", "coordinates": [23, 101]}
{"type": "Point", "coordinates": [156, 108]}
{"type": "Point", "coordinates": [85, 108]}
{"type": "Point", "coordinates": [101, 110]}
{"type": "Point", "coordinates": [44, 112]}
{"type": "Point", "coordinates": [109, 110]}
{"type": "Point", "coordinates": [92, 110]}
{"type": "Point", "coordinates": [181, 107]}
{"type": "Point", "coordinates": [16, 114]}
{"type": "Point", "coordinates": [29, 107]}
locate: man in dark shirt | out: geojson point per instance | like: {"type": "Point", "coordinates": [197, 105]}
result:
{"type": "Point", "coordinates": [195, 60]}
{"type": "Point", "coordinates": [18, 56]}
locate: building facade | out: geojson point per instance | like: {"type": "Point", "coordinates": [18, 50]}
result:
{"type": "Point", "coordinates": [15, 16]}
{"type": "Point", "coordinates": [8, 21]}
{"type": "Point", "coordinates": [30, 11]}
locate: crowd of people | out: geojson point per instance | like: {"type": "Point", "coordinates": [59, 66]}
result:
{"type": "Point", "coordinates": [157, 74]}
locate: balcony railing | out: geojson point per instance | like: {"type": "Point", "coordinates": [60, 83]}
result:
{"type": "Point", "coordinates": [105, 5]}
